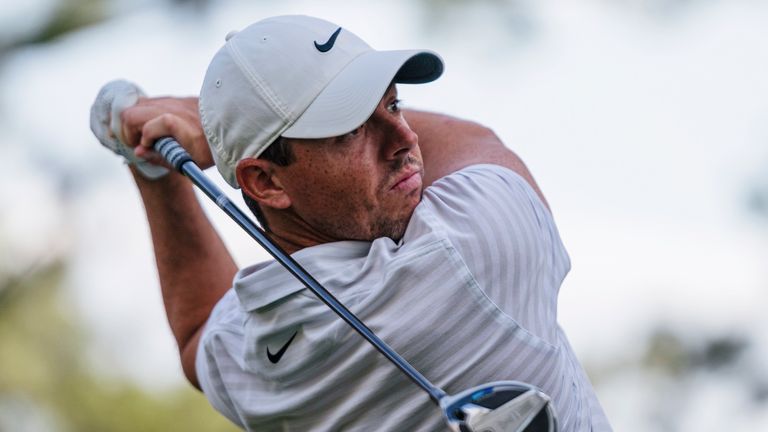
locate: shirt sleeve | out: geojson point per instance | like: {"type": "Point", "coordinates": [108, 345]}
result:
{"type": "Point", "coordinates": [221, 337]}
{"type": "Point", "coordinates": [508, 239]}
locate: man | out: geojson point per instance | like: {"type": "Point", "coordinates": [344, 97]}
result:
{"type": "Point", "coordinates": [425, 226]}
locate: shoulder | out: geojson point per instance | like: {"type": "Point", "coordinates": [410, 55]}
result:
{"type": "Point", "coordinates": [481, 184]}
{"type": "Point", "coordinates": [223, 331]}
{"type": "Point", "coordinates": [483, 201]}
{"type": "Point", "coordinates": [449, 144]}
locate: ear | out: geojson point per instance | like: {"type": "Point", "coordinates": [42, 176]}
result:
{"type": "Point", "coordinates": [257, 179]}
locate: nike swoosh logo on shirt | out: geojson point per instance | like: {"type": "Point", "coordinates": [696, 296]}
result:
{"type": "Point", "coordinates": [274, 358]}
{"type": "Point", "coordinates": [328, 45]}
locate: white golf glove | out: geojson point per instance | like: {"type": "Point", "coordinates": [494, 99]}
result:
{"type": "Point", "coordinates": [113, 98]}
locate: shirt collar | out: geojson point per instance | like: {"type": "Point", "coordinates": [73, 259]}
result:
{"type": "Point", "coordinates": [264, 283]}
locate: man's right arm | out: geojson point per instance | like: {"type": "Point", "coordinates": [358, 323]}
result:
{"type": "Point", "coordinates": [194, 267]}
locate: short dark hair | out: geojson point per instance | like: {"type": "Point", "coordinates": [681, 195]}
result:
{"type": "Point", "coordinates": [280, 154]}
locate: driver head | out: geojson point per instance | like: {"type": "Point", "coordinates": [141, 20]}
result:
{"type": "Point", "coordinates": [502, 406]}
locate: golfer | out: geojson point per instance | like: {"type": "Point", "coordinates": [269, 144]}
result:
{"type": "Point", "coordinates": [427, 227]}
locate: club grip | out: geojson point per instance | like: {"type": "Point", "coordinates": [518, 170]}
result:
{"type": "Point", "coordinates": [172, 152]}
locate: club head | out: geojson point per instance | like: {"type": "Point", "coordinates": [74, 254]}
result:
{"type": "Point", "coordinates": [503, 406]}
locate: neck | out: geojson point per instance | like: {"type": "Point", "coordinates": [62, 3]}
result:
{"type": "Point", "coordinates": [289, 243]}
{"type": "Point", "coordinates": [292, 233]}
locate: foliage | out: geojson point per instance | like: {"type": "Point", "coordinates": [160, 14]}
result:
{"type": "Point", "coordinates": [42, 354]}
{"type": "Point", "coordinates": [66, 16]}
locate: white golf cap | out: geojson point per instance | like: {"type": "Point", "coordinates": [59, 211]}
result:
{"type": "Point", "coordinates": [297, 77]}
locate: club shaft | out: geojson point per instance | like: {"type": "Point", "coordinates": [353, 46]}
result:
{"type": "Point", "coordinates": [181, 160]}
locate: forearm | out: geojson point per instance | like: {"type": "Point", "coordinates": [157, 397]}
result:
{"type": "Point", "coordinates": [194, 266]}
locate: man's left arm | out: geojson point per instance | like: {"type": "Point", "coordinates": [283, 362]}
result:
{"type": "Point", "coordinates": [449, 144]}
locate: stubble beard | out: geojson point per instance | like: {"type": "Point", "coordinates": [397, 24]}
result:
{"type": "Point", "coordinates": [383, 223]}
{"type": "Point", "coordinates": [394, 226]}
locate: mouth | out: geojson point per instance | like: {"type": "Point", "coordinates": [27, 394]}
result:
{"type": "Point", "coordinates": [407, 181]}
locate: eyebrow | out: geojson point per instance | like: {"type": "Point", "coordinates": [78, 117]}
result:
{"type": "Point", "coordinates": [391, 89]}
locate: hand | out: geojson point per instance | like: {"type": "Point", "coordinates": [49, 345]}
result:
{"type": "Point", "coordinates": [153, 118]}
{"type": "Point", "coordinates": [113, 98]}
{"type": "Point", "coordinates": [128, 123]}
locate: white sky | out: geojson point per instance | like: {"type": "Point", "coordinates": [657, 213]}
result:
{"type": "Point", "coordinates": [644, 133]}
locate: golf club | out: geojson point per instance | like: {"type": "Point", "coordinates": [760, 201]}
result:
{"type": "Point", "coordinates": [493, 407]}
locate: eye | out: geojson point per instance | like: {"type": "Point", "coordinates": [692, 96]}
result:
{"type": "Point", "coordinates": [395, 106]}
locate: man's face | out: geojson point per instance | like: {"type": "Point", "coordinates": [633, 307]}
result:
{"type": "Point", "coordinates": [359, 186]}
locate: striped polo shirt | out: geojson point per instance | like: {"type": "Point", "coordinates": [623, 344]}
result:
{"type": "Point", "coordinates": [467, 296]}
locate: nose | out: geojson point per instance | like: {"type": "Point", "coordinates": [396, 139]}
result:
{"type": "Point", "coordinates": [399, 138]}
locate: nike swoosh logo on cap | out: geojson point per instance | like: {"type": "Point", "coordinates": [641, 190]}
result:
{"type": "Point", "coordinates": [274, 358]}
{"type": "Point", "coordinates": [328, 45]}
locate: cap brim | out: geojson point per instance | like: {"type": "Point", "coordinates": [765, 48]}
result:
{"type": "Point", "coordinates": [352, 96]}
